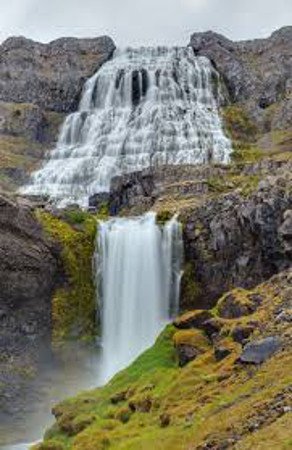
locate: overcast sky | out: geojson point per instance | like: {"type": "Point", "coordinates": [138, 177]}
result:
{"type": "Point", "coordinates": [142, 22]}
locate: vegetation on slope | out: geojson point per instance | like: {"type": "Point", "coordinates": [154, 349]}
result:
{"type": "Point", "coordinates": [211, 402]}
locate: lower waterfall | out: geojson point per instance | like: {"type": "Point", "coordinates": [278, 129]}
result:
{"type": "Point", "coordinates": [139, 270]}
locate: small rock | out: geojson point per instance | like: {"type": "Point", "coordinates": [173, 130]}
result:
{"type": "Point", "coordinates": [259, 351]}
{"type": "Point", "coordinates": [186, 353]}
{"type": "Point", "coordinates": [221, 353]}
{"type": "Point", "coordinates": [287, 409]}
{"type": "Point", "coordinates": [118, 397]}
{"type": "Point", "coordinates": [164, 420]}
{"type": "Point", "coordinates": [143, 404]}
{"type": "Point", "coordinates": [212, 327]}
{"type": "Point", "coordinates": [240, 333]}
{"type": "Point", "coordinates": [284, 316]}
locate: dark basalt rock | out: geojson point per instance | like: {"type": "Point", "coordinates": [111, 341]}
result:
{"type": "Point", "coordinates": [50, 75]}
{"type": "Point", "coordinates": [212, 328]}
{"type": "Point", "coordinates": [231, 307]}
{"type": "Point", "coordinates": [97, 200]}
{"type": "Point", "coordinates": [186, 353]}
{"type": "Point", "coordinates": [242, 332]}
{"type": "Point", "coordinates": [29, 271]}
{"type": "Point", "coordinates": [258, 352]}
{"type": "Point", "coordinates": [257, 73]}
{"type": "Point", "coordinates": [241, 242]}
{"type": "Point", "coordinates": [221, 352]}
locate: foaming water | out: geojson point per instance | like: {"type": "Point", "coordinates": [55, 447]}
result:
{"type": "Point", "coordinates": [139, 270]}
{"type": "Point", "coordinates": [145, 107]}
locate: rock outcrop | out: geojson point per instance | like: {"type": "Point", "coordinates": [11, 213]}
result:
{"type": "Point", "coordinates": [257, 73]}
{"type": "Point", "coordinates": [50, 75]}
{"type": "Point", "coordinates": [237, 225]}
{"type": "Point", "coordinates": [28, 261]}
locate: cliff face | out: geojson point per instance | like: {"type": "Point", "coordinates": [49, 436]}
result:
{"type": "Point", "coordinates": [257, 73]}
{"type": "Point", "coordinates": [50, 75]}
{"type": "Point", "coordinates": [39, 84]}
{"type": "Point", "coordinates": [236, 220]}
{"type": "Point", "coordinates": [29, 269]}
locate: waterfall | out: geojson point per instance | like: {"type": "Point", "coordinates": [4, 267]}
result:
{"type": "Point", "coordinates": [139, 268]}
{"type": "Point", "coordinates": [145, 107]}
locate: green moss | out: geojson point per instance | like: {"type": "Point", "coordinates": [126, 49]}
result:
{"type": "Point", "coordinates": [247, 184]}
{"type": "Point", "coordinates": [238, 124]}
{"type": "Point", "coordinates": [163, 216]}
{"type": "Point", "coordinates": [76, 216]}
{"type": "Point", "coordinates": [74, 304]}
{"type": "Point", "coordinates": [190, 288]}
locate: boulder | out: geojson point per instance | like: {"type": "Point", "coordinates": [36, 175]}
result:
{"type": "Point", "coordinates": [189, 344]}
{"type": "Point", "coordinates": [258, 352]}
{"type": "Point", "coordinates": [235, 304]}
{"type": "Point", "coordinates": [193, 319]}
{"type": "Point", "coordinates": [242, 332]}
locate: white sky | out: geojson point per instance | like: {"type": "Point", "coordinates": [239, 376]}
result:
{"type": "Point", "coordinates": [142, 22]}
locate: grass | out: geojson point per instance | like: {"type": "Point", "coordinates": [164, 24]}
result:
{"type": "Point", "coordinates": [206, 402]}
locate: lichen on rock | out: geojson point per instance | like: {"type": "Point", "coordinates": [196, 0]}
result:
{"type": "Point", "coordinates": [74, 302]}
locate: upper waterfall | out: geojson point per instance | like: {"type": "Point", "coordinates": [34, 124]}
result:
{"type": "Point", "coordinates": [147, 106]}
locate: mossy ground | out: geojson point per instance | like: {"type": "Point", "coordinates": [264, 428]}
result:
{"type": "Point", "coordinates": [206, 404]}
{"type": "Point", "coordinates": [74, 303]}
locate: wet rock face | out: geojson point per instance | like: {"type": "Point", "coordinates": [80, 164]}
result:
{"type": "Point", "coordinates": [256, 72]}
{"type": "Point", "coordinates": [50, 75]}
{"type": "Point", "coordinates": [29, 270]}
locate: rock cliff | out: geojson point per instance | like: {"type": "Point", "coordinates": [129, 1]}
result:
{"type": "Point", "coordinates": [39, 84]}
{"type": "Point", "coordinates": [50, 75]}
{"type": "Point", "coordinates": [29, 272]}
{"type": "Point", "coordinates": [257, 73]}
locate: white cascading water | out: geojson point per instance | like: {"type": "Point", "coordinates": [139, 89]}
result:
{"type": "Point", "coordinates": [139, 270]}
{"type": "Point", "coordinates": [145, 107]}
